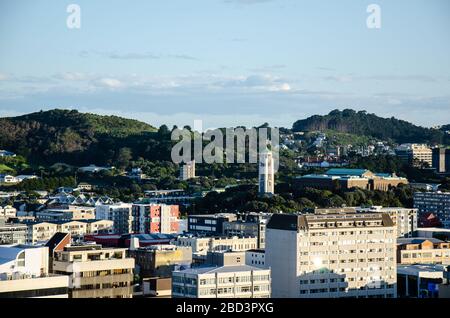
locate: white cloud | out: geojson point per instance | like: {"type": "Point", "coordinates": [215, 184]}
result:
{"type": "Point", "coordinates": [109, 83]}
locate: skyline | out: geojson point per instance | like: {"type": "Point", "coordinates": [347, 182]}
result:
{"type": "Point", "coordinates": [227, 63]}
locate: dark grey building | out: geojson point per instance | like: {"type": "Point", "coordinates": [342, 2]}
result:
{"type": "Point", "coordinates": [209, 224]}
{"type": "Point", "coordinates": [437, 203]}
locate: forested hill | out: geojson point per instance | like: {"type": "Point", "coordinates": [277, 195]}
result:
{"type": "Point", "coordinates": [74, 137]}
{"type": "Point", "coordinates": [363, 123]}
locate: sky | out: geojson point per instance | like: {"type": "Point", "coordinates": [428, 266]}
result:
{"type": "Point", "coordinates": [227, 62]}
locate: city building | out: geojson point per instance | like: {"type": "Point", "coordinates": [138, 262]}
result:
{"type": "Point", "coordinates": [332, 255]}
{"type": "Point", "coordinates": [404, 218]}
{"type": "Point", "coordinates": [420, 250]}
{"type": "Point", "coordinates": [5, 153]}
{"type": "Point", "coordinates": [342, 178]}
{"type": "Point", "coordinates": [39, 231]}
{"type": "Point", "coordinates": [7, 212]}
{"type": "Point", "coordinates": [437, 203]}
{"type": "Point", "coordinates": [266, 174]}
{"type": "Point", "coordinates": [24, 274]}
{"type": "Point", "coordinates": [187, 171]}
{"type": "Point", "coordinates": [71, 212]}
{"type": "Point", "coordinates": [419, 280]}
{"type": "Point", "coordinates": [256, 258]}
{"type": "Point", "coordinates": [433, 232]}
{"type": "Point", "coordinates": [249, 224]}
{"type": "Point", "coordinates": [415, 154]}
{"type": "Point", "coordinates": [209, 224]}
{"type": "Point", "coordinates": [232, 281]}
{"type": "Point", "coordinates": [6, 178]}
{"type": "Point", "coordinates": [155, 218]}
{"type": "Point", "coordinates": [95, 272]}
{"type": "Point", "coordinates": [202, 245]}
{"type": "Point", "coordinates": [225, 258]}
{"type": "Point", "coordinates": [119, 213]}
{"type": "Point", "coordinates": [12, 233]}
{"type": "Point", "coordinates": [160, 260]}
{"type": "Point", "coordinates": [125, 240]}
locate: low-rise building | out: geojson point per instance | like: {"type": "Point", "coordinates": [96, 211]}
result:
{"type": "Point", "coordinates": [160, 260]}
{"type": "Point", "coordinates": [71, 212]}
{"type": "Point", "coordinates": [256, 258]}
{"type": "Point", "coordinates": [240, 281]}
{"type": "Point", "coordinates": [419, 280]}
{"type": "Point", "coordinates": [95, 272]}
{"type": "Point", "coordinates": [24, 274]}
{"type": "Point", "coordinates": [422, 251]}
{"type": "Point", "coordinates": [341, 178]}
{"type": "Point", "coordinates": [7, 212]}
{"type": "Point", "coordinates": [202, 245]}
{"type": "Point", "coordinates": [209, 224]}
{"type": "Point", "coordinates": [39, 231]}
{"type": "Point", "coordinates": [12, 233]}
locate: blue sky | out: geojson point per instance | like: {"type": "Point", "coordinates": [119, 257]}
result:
{"type": "Point", "coordinates": [227, 62]}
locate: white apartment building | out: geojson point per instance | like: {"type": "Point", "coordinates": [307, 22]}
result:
{"type": "Point", "coordinates": [222, 282]}
{"type": "Point", "coordinates": [187, 171]}
{"type": "Point", "coordinates": [404, 218]}
{"type": "Point", "coordinates": [203, 245]}
{"type": "Point", "coordinates": [72, 212]}
{"type": "Point", "coordinates": [266, 174]}
{"type": "Point", "coordinates": [415, 154]}
{"type": "Point", "coordinates": [120, 214]}
{"type": "Point", "coordinates": [24, 274]}
{"type": "Point", "coordinates": [7, 212]}
{"type": "Point", "coordinates": [332, 255]}
{"type": "Point", "coordinates": [43, 231]}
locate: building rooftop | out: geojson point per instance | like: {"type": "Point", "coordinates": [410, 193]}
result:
{"type": "Point", "coordinates": [346, 172]}
{"type": "Point", "coordinates": [220, 269]}
{"type": "Point", "coordinates": [417, 240]}
{"type": "Point", "coordinates": [296, 222]}
{"type": "Point", "coordinates": [419, 269]}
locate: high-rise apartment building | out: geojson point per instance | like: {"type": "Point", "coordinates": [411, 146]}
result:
{"type": "Point", "coordinates": [332, 255]}
{"type": "Point", "coordinates": [155, 218]}
{"type": "Point", "coordinates": [415, 154]}
{"type": "Point", "coordinates": [187, 170]}
{"type": "Point", "coordinates": [404, 218]}
{"type": "Point", "coordinates": [95, 272]}
{"type": "Point", "coordinates": [437, 203]}
{"type": "Point", "coordinates": [119, 213]}
{"type": "Point", "coordinates": [266, 173]}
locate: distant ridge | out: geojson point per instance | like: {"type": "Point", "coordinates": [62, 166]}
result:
{"type": "Point", "coordinates": [363, 123]}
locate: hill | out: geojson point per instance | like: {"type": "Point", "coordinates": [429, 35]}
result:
{"type": "Point", "coordinates": [365, 124]}
{"type": "Point", "coordinates": [73, 137]}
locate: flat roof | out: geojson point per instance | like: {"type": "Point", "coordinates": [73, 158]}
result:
{"type": "Point", "coordinates": [221, 269]}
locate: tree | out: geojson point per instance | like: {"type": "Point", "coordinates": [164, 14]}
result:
{"type": "Point", "coordinates": [124, 157]}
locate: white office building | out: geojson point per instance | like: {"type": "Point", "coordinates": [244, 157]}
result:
{"type": "Point", "coordinates": [332, 255]}
{"type": "Point", "coordinates": [222, 282]}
